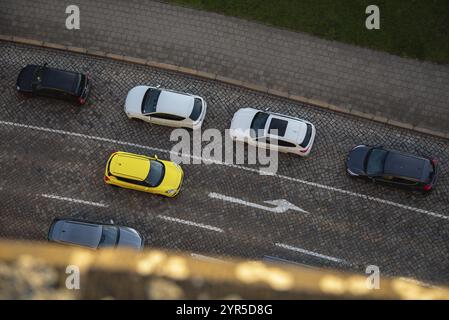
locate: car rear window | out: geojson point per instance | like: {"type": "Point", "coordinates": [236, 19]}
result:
{"type": "Point", "coordinates": [307, 137]}
{"type": "Point", "coordinates": [82, 85]}
{"type": "Point", "coordinates": [150, 99]}
{"type": "Point", "coordinates": [197, 109]}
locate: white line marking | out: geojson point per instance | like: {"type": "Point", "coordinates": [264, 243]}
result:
{"type": "Point", "coordinates": [282, 205]}
{"type": "Point", "coordinates": [52, 196]}
{"type": "Point", "coordinates": [318, 255]}
{"type": "Point", "coordinates": [313, 184]}
{"type": "Point", "coordinates": [417, 282]}
{"type": "Point", "coordinates": [191, 223]}
{"type": "Point", "coordinates": [205, 258]}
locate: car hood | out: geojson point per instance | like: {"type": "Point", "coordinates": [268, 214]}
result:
{"type": "Point", "coordinates": [241, 122]}
{"type": "Point", "coordinates": [25, 78]}
{"type": "Point", "coordinates": [133, 103]}
{"type": "Point", "coordinates": [356, 159]}
{"type": "Point", "coordinates": [173, 176]}
{"type": "Point", "coordinates": [130, 238]}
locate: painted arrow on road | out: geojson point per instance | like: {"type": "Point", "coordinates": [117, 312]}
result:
{"type": "Point", "coordinates": [281, 205]}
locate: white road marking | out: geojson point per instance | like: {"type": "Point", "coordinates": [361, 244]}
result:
{"type": "Point", "coordinates": [96, 204]}
{"type": "Point", "coordinates": [315, 254]}
{"type": "Point", "coordinates": [191, 223]}
{"type": "Point", "coordinates": [281, 204]}
{"type": "Point", "coordinates": [313, 184]}
{"type": "Point", "coordinates": [417, 282]}
{"type": "Point", "coordinates": [205, 258]}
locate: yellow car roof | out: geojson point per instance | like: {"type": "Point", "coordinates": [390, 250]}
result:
{"type": "Point", "coordinates": [130, 166]}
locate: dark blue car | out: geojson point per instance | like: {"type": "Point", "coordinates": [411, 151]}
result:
{"type": "Point", "coordinates": [392, 167]}
{"type": "Point", "coordinates": [53, 83]}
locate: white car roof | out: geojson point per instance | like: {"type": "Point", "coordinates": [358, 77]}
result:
{"type": "Point", "coordinates": [294, 132]}
{"type": "Point", "coordinates": [175, 103]}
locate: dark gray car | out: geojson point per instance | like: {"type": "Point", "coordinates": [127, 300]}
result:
{"type": "Point", "coordinates": [93, 235]}
{"type": "Point", "coordinates": [392, 167]}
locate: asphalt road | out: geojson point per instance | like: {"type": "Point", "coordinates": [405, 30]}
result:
{"type": "Point", "coordinates": [53, 155]}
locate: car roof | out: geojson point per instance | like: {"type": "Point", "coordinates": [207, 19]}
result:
{"type": "Point", "coordinates": [175, 103]}
{"type": "Point", "coordinates": [289, 129]}
{"type": "Point", "coordinates": [405, 165]}
{"type": "Point", "coordinates": [76, 232]}
{"type": "Point", "coordinates": [130, 166]}
{"type": "Point", "coordinates": [66, 81]}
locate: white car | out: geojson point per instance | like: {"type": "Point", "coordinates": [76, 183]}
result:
{"type": "Point", "coordinates": [273, 131]}
{"type": "Point", "coordinates": [165, 107]}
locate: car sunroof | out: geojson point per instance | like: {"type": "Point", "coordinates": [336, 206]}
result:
{"type": "Point", "coordinates": [279, 125]}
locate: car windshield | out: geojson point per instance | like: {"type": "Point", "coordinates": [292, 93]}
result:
{"type": "Point", "coordinates": [376, 161]}
{"type": "Point", "coordinates": [109, 237]}
{"type": "Point", "coordinates": [156, 174]}
{"type": "Point", "coordinates": [258, 124]}
{"type": "Point", "coordinates": [149, 101]}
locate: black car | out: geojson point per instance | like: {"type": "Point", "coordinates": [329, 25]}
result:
{"type": "Point", "coordinates": [392, 167]}
{"type": "Point", "coordinates": [53, 83]}
{"type": "Point", "coordinates": [93, 235]}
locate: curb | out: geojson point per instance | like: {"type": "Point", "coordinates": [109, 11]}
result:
{"type": "Point", "coordinates": [231, 81]}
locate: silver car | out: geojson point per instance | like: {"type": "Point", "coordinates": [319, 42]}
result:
{"type": "Point", "coordinates": [93, 235]}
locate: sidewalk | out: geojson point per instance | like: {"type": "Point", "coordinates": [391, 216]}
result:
{"type": "Point", "coordinates": [356, 79]}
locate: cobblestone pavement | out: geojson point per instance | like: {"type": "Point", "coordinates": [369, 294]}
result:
{"type": "Point", "coordinates": [404, 90]}
{"type": "Point", "coordinates": [357, 223]}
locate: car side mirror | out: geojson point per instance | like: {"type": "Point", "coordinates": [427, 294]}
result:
{"type": "Point", "coordinates": [155, 157]}
{"type": "Point", "coordinates": [158, 86]}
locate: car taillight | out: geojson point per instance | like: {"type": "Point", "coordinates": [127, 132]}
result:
{"type": "Point", "coordinates": [106, 178]}
{"type": "Point", "coordinates": [435, 162]}
{"type": "Point", "coordinates": [427, 187]}
{"type": "Point", "coordinates": [81, 100]}
{"type": "Point", "coordinates": [305, 150]}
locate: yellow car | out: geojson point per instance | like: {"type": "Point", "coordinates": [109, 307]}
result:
{"type": "Point", "coordinates": [142, 173]}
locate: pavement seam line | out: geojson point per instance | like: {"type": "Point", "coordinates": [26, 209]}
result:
{"type": "Point", "coordinates": [227, 80]}
{"type": "Point", "coordinates": [206, 160]}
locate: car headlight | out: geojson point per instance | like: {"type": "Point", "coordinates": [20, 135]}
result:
{"type": "Point", "coordinates": [171, 191]}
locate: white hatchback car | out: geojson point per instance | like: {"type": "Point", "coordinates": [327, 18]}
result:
{"type": "Point", "coordinates": [273, 131]}
{"type": "Point", "coordinates": [165, 107]}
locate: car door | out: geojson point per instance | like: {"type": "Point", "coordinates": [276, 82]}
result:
{"type": "Point", "coordinates": [44, 92]}
{"type": "Point", "coordinates": [131, 184]}
{"type": "Point", "coordinates": [395, 181]}
{"type": "Point", "coordinates": [166, 119]}
{"type": "Point", "coordinates": [285, 146]}
{"type": "Point", "coordinates": [262, 142]}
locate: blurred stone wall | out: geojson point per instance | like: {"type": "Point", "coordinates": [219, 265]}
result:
{"type": "Point", "coordinates": [32, 270]}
